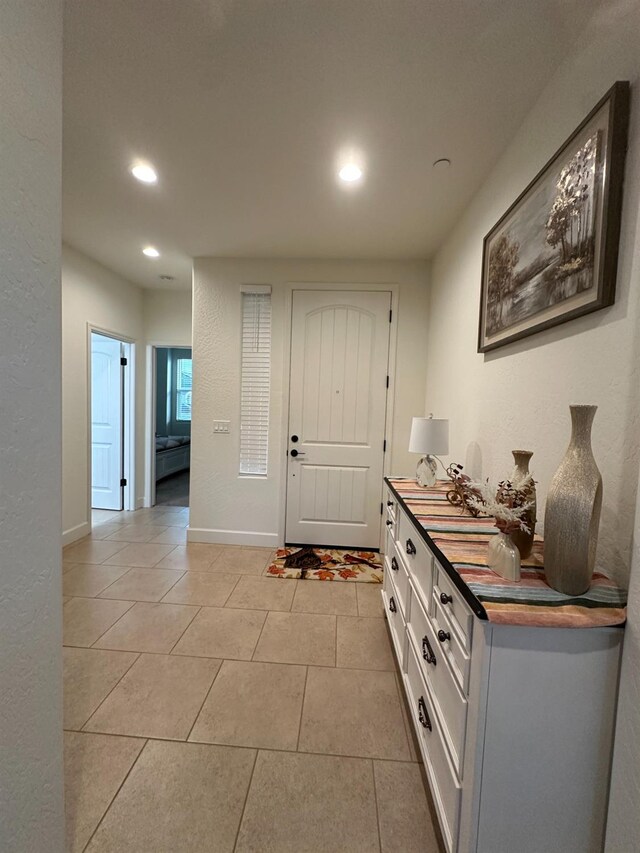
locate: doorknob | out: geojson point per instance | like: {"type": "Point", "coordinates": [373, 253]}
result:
{"type": "Point", "coordinates": [294, 438]}
{"type": "Point", "coordinates": [295, 453]}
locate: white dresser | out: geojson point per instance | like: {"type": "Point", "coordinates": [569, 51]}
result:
{"type": "Point", "coordinates": [515, 723]}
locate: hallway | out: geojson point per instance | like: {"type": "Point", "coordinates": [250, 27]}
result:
{"type": "Point", "coordinates": [208, 707]}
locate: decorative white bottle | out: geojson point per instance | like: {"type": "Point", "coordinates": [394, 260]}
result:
{"type": "Point", "coordinates": [503, 557]}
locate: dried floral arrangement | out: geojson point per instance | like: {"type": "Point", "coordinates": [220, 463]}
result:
{"type": "Point", "coordinates": [509, 502]}
{"type": "Point", "coordinates": [463, 489]}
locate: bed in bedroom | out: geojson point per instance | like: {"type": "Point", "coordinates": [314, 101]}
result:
{"type": "Point", "coordinates": [173, 454]}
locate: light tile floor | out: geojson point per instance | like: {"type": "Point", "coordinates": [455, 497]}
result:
{"type": "Point", "coordinates": [208, 708]}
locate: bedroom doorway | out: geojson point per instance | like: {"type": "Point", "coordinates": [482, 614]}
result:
{"type": "Point", "coordinates": [172, 425]}
{"type": "Point", "coordinates": [110, 456]}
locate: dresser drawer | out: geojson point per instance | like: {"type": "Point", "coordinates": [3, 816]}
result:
{"type": "Point", "coordinates": [449, 644]}
{"type": "Point", "coordinates": [396, 622]}
{"type": "Point", "coordinates": [398, 573]}
{"type": "Point", "coordinates": [416, 555]}
{"type": "Point", "coordinates": [453, 605]}
{"type": "Point", "coordinates": [451, 705]}
{"type": "Point", "coordinates": [392, 511]}
{"type": "Point", "coordinates": [444, 784]}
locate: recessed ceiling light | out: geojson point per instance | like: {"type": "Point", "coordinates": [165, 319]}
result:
{"type": "Point", "coordinates": [144, 172]}
{"type": "Point", "coordinates": [442, 164]}
{"type": "Point", "coordinates": [350, 173]}
{"type": "Point", "coordinates": [151, 252]}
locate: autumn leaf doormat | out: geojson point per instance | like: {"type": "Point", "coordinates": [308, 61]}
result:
{"type": "Point", "coordinates": [326, 564]}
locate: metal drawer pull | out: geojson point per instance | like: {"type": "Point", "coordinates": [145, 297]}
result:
{"type": "Point", "coordinates": [394, 564]}
{"type": "Point", "coordinates": [446, 599]}
{"type": "Point", "coordinates": [389, 503]}
{"type": "Point", "coordinates": [392, 605]}
{"type": "Point", "coordinates": [443, 636]}
{"type": "Point", "coordinates": [423, 714]}
{"type": "Point", "coordinates": [427, 651]}
{"type": "Point", "coordinates": [389, 523]}
{"type": "Point", "coordinates": [411, 548]}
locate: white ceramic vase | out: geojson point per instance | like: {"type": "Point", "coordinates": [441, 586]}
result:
{"type": "Point", "coordinates": [503, 557]}
{"type": "Point", "coordinates": [572, 514]}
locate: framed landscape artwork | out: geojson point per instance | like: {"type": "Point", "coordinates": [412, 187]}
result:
{"type": "Point", "coordinates": [553, 256]}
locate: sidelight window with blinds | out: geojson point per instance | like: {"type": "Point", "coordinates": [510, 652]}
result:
{"type": "Point", "coordinates": [255, 380]}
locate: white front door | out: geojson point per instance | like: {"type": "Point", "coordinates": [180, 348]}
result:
{"type": "Point", "coordinates": [106, 422]}
{"type": "Point", "coordinates": [338, 393]}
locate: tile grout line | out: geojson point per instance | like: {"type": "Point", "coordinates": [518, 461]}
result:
{"type": "Point", "coordinates": [111, 802]}
{"type": "Point", "coordinates": [182, 574]}
{"type": "Point", "coordinates": [304, 696]}
{"type": "Point", "coordinates": [237, 579]}
{"type": "Point", "coordinates": [255, 648]}
{"type": "Point", "coordinates": [188, 625]}
{"type": "Point", "coordinates": [106, 598]}
{"type": "Point", "coordinates": [204, 701]}
{"type": "Point", "coordinates": [130, 603]}
{"type": "Point", "coordinates": [137, 541]}
{"type": "Point", "coordinates": [214, 657]}
{"type": "Point", "coordinates": [232, 590]}
{"type": "Point", "coordinates": [128, 545]}
{"type": "Point", "coordinates": [138, 655]}
{"type": "Point", "coordinates": [155, 739]}
{"type": "Point", "coordinates": [246, 799]}
{"type": "Point", "coordinates": [375, 799]}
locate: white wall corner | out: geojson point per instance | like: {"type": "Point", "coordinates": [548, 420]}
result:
{"type": "Point", "coordinates": [75, 533]}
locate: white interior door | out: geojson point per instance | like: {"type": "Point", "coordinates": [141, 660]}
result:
{"type": "Point", "coordinates": [106, 423]}
{"type": "Point", "coordinates": [338, 390]}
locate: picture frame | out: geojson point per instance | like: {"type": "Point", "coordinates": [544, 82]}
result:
{"type": "Point", "coordinates": [553, 255]}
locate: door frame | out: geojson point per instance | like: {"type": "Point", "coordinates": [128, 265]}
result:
{"type": "Point", "coordinates": [128, 414]}
{"type": "Point", "coordinates": [150, 417]}
{"type": "Point", "coordinates": [342, 287]}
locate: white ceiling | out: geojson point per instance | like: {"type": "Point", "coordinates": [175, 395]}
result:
{"type": "Point", "coordinates": [243, 106]}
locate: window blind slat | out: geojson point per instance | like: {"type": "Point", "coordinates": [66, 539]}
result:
{"type": "Point", "coordinates": [184, 384]}
{"type": "Point", "coordinates": [255, 383]}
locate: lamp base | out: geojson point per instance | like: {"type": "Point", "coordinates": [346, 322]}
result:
{"type": "Point", "coordinates": [426, 472]}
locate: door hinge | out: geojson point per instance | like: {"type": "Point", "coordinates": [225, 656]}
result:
{"type": "Point", "coordinates": [123, 361]}
{"type": "Point", "coordinates": [390, 314]}
{"type": "Point", "coordinates": [384, 446]}
{"type": "Point", "coordinates": [387, 381]}
{"type": "Point", "coordinates": [381, 508]}
{"type": "Point", "coordinates": [123, 482]}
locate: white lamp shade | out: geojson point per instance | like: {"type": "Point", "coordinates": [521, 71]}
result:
{"type": "Point", "coordinates": [429, 436]}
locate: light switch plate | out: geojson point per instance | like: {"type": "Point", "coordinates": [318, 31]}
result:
{"type": "Point", "coordinates": [221, 426]}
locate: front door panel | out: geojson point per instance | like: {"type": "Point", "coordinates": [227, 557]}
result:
{"type": "Point", "coordinates": [339, 361]}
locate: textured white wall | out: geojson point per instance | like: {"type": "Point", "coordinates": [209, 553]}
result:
{"type": "Point", "coordinates": [31, 788]}
{"type": "Point", "coordinates": [167, 317]}
{"type": "Point", "coordinates": [518, 396]}
{"type": "Point", "coordinates": [93, 294]}
{"type": "Point", "coordinates": [220, 500]}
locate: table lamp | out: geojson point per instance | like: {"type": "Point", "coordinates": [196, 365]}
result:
{"type": "Point", "coordinates": [430, 437]}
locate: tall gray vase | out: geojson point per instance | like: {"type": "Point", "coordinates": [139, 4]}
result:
{"type": "Point", "coordinates": [521, 539]}
{"type": "Point", "coordinates": [572, 515]}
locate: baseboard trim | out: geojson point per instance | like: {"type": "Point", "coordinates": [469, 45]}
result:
{"type": "Point", "coordinates": [75, 533]}
{"type": "Point", "coordinates": [232, 537]}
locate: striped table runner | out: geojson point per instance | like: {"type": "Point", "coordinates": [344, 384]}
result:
{"type": "Point", "coordinates": [462, 540]}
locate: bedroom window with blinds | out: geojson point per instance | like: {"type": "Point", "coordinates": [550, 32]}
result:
{"type": "Point", "coordinates": [184, 385]}
{"type": "Point", "coordinates": [255, 381]}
